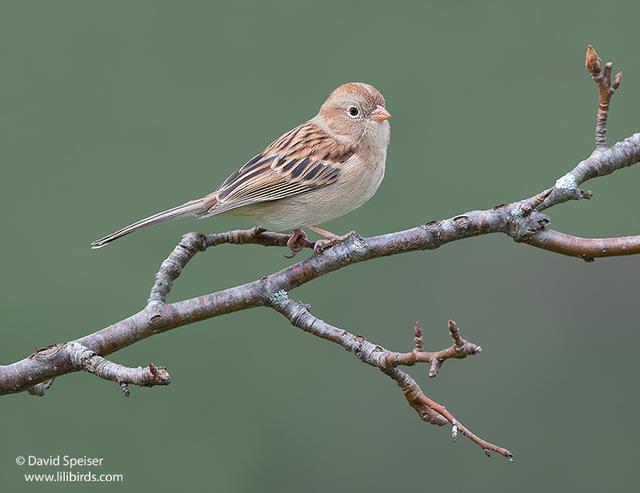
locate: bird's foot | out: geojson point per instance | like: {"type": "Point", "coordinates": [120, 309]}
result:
{"type": "Point", "coordinates": [329, 239]}
{"type": "Point", "coordinates": [297, 242]}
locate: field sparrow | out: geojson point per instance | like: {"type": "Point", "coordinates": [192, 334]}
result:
{"type": "Point", "coordinates": [316, 172]}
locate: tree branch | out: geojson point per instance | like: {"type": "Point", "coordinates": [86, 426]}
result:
{"type": "Point", "coordinates": [81, 357]}
{"type": "Point", "coordinates": [193, 243]}
{"type": "Point", "coordinates": [84, 358]}
{"type": "Point", "coordinates": [389, 361]}
{"type": "Point", "coordinates": [585, 248]}
{"type": "Point", "coordinates": [606, 88]}
{"type": "Point", "coordinates": [522, 220]}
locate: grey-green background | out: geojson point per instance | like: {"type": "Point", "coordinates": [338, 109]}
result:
{"type": "Point", "coordinates": [113, 110]}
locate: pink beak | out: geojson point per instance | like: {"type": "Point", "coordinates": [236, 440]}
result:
{"type": "Point", "coordinates": [380, 114]}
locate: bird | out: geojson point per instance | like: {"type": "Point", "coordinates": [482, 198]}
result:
{"type": "Point", "coordinates": [316, 172]}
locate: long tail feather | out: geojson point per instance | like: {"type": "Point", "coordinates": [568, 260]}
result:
{"type": "Point", "coordinates": [189, 209]}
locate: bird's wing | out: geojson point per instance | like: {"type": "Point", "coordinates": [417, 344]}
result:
{"type": "Point", "coordinates": [303, 159]}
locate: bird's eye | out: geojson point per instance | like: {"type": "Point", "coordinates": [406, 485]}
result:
{"type": "Point", "coordinates": [353, 111]}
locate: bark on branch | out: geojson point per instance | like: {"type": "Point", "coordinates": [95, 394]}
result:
{"type": "Point", "coordinates": [522, 220]}
{"type": "Point", "coordinates": [84, 358]}
{"type": "Point", "coordinates": [389, 362]}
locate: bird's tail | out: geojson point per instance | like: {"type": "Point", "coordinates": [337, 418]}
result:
{"type": "Point", "coordinates": [191, 208]}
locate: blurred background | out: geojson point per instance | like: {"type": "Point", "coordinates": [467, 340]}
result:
{"type": "Point", "coordinates": [110, 111]}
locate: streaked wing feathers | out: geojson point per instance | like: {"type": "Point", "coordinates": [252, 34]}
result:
{"type": "Point", "coordinates": [303, 159]}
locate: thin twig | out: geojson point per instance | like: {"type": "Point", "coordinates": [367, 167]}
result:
{"type": "Point", "coordinates": [606, 88]}
{"type": "Point", "coordinates": [586, 248]}
{"type": "Point", "coordinates": [388, 361]}
{"type": "Point", "coordinates": [84, 358]}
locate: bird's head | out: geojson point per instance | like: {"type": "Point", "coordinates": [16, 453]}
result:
{"type": "Point", "coordinates": [355, 113]}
